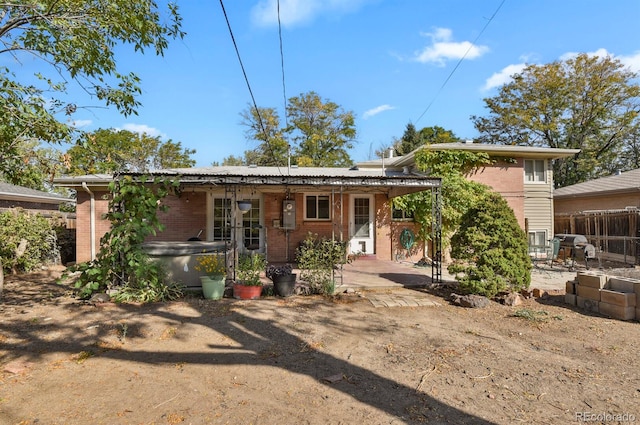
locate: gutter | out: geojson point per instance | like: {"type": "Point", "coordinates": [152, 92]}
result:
{"type": "Point", "coordinates": [92, 220]}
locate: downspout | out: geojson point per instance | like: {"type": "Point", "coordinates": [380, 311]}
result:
{"type": "Point", "coordinates": [92, 219]}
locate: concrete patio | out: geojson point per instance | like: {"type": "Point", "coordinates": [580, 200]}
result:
{"type": "Point", "coordinates": [370, 274]}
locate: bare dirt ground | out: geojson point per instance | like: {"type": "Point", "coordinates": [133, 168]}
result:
{"type": "Point", "coordinates": [309, 360]}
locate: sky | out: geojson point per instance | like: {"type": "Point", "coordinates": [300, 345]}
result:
{"type": "Point", "coordinates": [390, 62]}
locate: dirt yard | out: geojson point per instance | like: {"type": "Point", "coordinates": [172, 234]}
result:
{"type": "Point", "coordinates": [309, 360]}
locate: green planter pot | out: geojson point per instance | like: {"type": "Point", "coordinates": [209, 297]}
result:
{"type": "Point", "coordinates": [213, 286]}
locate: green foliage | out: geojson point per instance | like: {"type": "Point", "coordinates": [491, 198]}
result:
{"type": "Point", "coordinates": [121, 263]}
{"type": "Point", "coordinates": [36, 231]}
{"type": "Point", "coordinates": [317, 258]}
{"type": "Point", "coordinates": [586, 102]}
{"type": "Point", "coordinates": [490, 249]}
{"type": "Point", "coordinates": [109, 151]}
{"type": "Point", "coordinates": [73, 41]}
{"type": "Point", "coordinates": [249, 268]}
{"type": "Point", "coordinates": [412, 139]}
{"type": "Point", "coordinates": [458, 194]}
{"type": "Point", "coordinates": [319, 133]}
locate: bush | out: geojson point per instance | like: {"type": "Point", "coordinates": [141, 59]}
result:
{"type": "Point", "coordinates": [317, 258]}
{"type": "Point", "coordinates": [490, 249]}
{"type": "Point", "coordinates": [34, 232]}
{"type": "Point", "coordinates": [121, 264]}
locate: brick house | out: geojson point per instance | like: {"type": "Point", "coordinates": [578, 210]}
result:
{"type": "Point", "coordinates": [522, 175]}
{"type": "Point", "coordinates": [282, 206]}
{"type": "Point", "coordinates": [12, 196]}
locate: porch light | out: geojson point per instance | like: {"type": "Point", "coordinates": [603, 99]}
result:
{"type": "Point", "coordinates": [244, 206]}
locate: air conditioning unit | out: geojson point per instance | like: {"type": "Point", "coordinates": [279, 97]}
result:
{"type": "Point", "coordinates": [288, 214]}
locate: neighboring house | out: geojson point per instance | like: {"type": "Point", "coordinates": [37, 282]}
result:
{"type": "Point", "coordinates": [282, 206]}
{"type": "Point", "coordinates": [619, 191]}
{"type": "Point", "coordinates": [12, 196]}
{"type": "Point", "coordinates": [606, 211]}
{"type": "Point", "coordinates": [522, 175]}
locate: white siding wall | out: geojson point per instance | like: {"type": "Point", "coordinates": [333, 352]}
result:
{"type": "Point", "coordinates": [538, 203]}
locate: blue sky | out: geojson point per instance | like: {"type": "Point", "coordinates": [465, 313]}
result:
{"type": "Point", "coordinates": [385, 60]}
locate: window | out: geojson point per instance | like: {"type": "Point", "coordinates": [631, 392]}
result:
{"type": "Point", "coordinates": [401, 215]}
{"type": "Point", "coordinates": [537, 240]}
{"type": "Point", "coordinates": [317, 207]}
{"type": "Point", "coordinates": [534, 171]}
{"type": "Point", "coordinates": [221, 219]}
{"type": "Point", "coordinates": [251, 226]}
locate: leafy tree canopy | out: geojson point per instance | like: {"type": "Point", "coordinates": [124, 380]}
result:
{"type": "Point", "coordinates": [109, 151]}
{"type": "Point", "coordinates": [70, 41]}
{"type": "Point", "coordinates": [586, 102]}
{"type": "Point", "coordinates": [319, 133]}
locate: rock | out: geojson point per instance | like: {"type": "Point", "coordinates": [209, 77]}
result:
{"type": "Point", "coordinates": [539, 293]}
{"type": "Point", "coordinates": [470, 301]}
{"type": "Point", "coordinates": [513, 299]}
{"type": "Point", "coordinates": [526, 293]}
{"type": "Point", "coordinates": [99, 298]}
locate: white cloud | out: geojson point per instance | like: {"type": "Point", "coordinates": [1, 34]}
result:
{"type": "Point", "coordinates": [504, 76]}
{"type": "Point", "coordinates": [298, 12]}
{"type": "Point", "coordinates": [81, 123]}
{"type": "Point", "coordinates": [376, 111]}
{"type": "Point", "coordinates": [632, 61]}
{"type": "Point", "coordinates": [442, 48]}
{"type": "Point", "coordinates": [143, 128]}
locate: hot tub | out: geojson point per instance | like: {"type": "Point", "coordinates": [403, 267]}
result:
{"type": "Point", "coordinates": [179, 258]}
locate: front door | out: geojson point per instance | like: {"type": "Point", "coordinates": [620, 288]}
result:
{"type": "Point", "coordinates": [361, 220]}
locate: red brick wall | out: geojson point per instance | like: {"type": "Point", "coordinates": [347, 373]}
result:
{"type": "Point", "coordinates": [185, 217]}
{"type": "Point", "coordinates": [83, 223]}
{"type": "Point", "coordinates": [508, 180]}
{"type": "Point", "coordinates": [388, 245]}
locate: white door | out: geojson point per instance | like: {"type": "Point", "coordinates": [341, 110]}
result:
{"type": "Point", "coordinates": [361, 221]}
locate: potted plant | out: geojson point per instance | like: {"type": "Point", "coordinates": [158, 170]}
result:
{"type": "Point", "coordinates": [215, 271]}
{"type": "Point", "coordinates": [248, 285]}
{"type": "Point", "coordinates": [284, 280]}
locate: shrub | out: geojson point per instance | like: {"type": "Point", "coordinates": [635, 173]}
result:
{"type": "Point", "coordinates": [121, 263]}
{"type": "Point", "coordinates": [490, 249]}
{"type": "Point", "coordinates": [34, 232]}
{"type": "Point", "coordinates": [317, 258]}
{"type": "Point", "coordinates": [249, 268]}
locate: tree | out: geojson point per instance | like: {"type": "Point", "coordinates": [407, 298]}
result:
{"type": "Point", "coordinates": [490, 249]}
{"type": "Point", "coordinates": [108, 151]}
{"type": "Point", "coordinates": [458, 194]}
{"type": "Point", "coordinates": [263, 125]}
{"type": "Point", "coordinates": [412, 139]}
{"type": "Point", "coordinates": [75, 41]}
{"type": "Point", "coordinates": [587, 103]}
{"type": "Point", "coordinates": [319, 133]}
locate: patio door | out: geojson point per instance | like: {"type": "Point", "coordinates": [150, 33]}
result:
{"type": "Point", "coordinates": [361, 221]}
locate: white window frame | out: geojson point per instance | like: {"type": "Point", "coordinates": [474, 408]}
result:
{"type": "Point", "coordinates": [533, 174]}
{"type": "Point", "coordinates": [537, 246]}
{"type": "Point", "coordinates": [404, 213]}
{"type": "Point", "coordinates": [317, 196]}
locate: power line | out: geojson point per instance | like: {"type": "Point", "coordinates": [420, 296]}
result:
{"type": "Point", "coordinates": [284, 89]}
{"type": "Point", "coordinates": [246, 79]}
{"type": "Point", "coordinates": [460, 61]}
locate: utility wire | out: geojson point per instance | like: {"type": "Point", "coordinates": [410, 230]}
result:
{"type": "Point", "coordinates": [284, 88]}
{"type": "Point", "coordinates": [246, 79]}
{"type": "Point", "coordinates": [460, 61]}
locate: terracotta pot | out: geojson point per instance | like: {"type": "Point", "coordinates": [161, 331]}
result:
{"type": "Point", "coordinates": [284, 285]}
{"type": "Point", "coordinates": [213, 286]}
{"type": "Point", "coordinates": [246, 292]}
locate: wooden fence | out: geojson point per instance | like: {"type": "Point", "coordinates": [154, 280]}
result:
{"type": "Point", "coordinates": [614, 233]}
